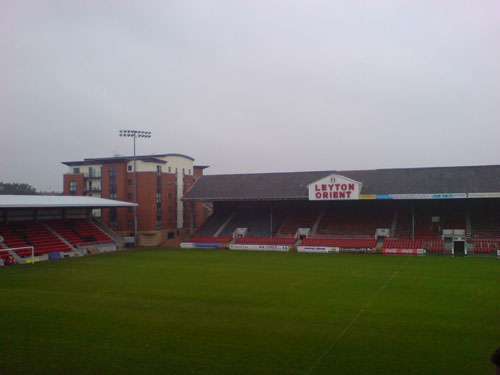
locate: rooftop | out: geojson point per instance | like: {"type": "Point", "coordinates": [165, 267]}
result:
{"type": "Point", "coordinates": [119, 158]}
{"type": "Point", "coordinates": [44, 201]}
{"type": "Point", "coordinates": [293, 185]}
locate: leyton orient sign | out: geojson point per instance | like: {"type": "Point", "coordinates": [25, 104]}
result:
{"type": "Point", "coordinates": [334, 187]}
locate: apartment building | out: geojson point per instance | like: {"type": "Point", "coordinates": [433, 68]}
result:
{"type": "Point", "coordinates": [161, 181]}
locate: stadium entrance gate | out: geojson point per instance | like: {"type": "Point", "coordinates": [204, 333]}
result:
{"type": "Point", "coordinates": [459, 248]}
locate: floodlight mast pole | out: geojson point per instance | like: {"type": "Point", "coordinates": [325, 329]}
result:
{"type": "Point", "coordinates": [134, 134]}
{"type": "Point", "coordinates": [136, 240]}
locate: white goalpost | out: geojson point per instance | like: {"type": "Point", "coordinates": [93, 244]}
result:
{"type": "Point", "coordinates": [24, 249]}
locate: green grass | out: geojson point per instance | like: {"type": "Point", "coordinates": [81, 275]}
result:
{"type": "Point", "coordinates": [222, 312]}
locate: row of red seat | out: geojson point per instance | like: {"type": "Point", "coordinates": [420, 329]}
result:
{"type": "Point", "coordinates": [352, 243]}
{"type": "Point", "coordinates": [403, 243]}
{"type": "Point", "coordinates": [486, 245]}
{"type": "Point", "coordinates": [79, 231]}
{"type": "Point", "coordinates": [350, 222]}
{"type": "Point", "coordinates": [210, 239]}
{"type": "Point", "coordinates": [296, 220]}
{"type": "Point", "coordinates": [31, 233]}
{"type": "Point", "coordinates": [4, 254]}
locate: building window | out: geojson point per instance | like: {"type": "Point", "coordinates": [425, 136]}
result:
{"type": "Point", "coordinates": [158, 183]}
{"type": "Point", "coordinates": [170, 182]}
{"type": "Point", "coordinates": [189, 171]}
{"type": "Point", "coordinates": [158, 224]}
{"type": "Point", "coordinates": [129, 181]}
{"type": "Point", "coordinates": [112, 182]}
{"type": "Point", "coordinates": [112, 218]}
{"type": "Point", "coordinates": [158, 170]}
{"type": "Point", "coordinates": [170, 235]}
{"type": "Point", "coordinates": [130, 223]}
{"type": "Point", "coordinates": [129, 209]}
{"type": "Point", "coordinates": [129, 168]}
{"type": "Point", "coordinates": [72, 188]}
{"type": "Point", "coordinates": [158, 198]}
{"type": "Point", "coordinates": [169, 169]}
{"type": "Point", "coordinates": [76, 170]}
{"type": "Point", "coordinates": [129, 195]}
{"type": "Point", "coordinates": [169, 195]}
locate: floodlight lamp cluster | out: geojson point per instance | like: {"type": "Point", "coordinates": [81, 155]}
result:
{"type": "Point", "coordinates": [135, 133]}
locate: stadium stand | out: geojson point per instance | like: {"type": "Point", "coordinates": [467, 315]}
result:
{"type": "Point", "coordinates": [256, 220]}
{"type": "Point", "coordinates": [304, 218]}
{"type": "Point", "coordinates": [454, 219]}
{"type": "Point", "coordinates": [485, 222]}
{"type": "Point", "coordinates": [79, 231]}
{"type": "Point", "coordinates": [444, 210]}
{"type": "Point", "coordinates": [31, 233]}
{"type": "Point", "coordinates": [354, 222]}
{"type": "Point", "coordinates": [214, 223]}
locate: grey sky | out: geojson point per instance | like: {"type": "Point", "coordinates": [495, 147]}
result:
{"type": "Point", "coordinates": [249, 86]}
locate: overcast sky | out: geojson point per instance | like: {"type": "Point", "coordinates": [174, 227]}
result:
{"type": "Point", "coordinates": [249, 86]}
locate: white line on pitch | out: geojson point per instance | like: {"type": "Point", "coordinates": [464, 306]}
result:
{"type": "Point", "coordinates": [363, 309]}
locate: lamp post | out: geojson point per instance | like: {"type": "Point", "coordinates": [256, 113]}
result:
{"type": "Point", "coordinates": [135, 134]}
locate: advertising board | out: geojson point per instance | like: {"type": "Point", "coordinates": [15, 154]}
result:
{"type": "Point", "coordinates": [404, 251]}
{"type": "Point", "coordinates": [317, 249]}
{"type": "Point", "coordinates": [235, 246]}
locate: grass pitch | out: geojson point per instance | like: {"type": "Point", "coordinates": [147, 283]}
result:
{"type": "Point", "coordinates": [227, 312]}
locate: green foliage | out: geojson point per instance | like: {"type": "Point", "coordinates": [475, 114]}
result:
{"type": "Point", "coordinates": [225, 312]}
{"type": "Point", "coordinates": [16, 188]}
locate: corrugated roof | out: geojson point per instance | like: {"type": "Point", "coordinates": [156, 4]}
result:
{"type": "Point", "coordinates": [44, 201]}
{"type": "Point", "coordinates": [293, 185]}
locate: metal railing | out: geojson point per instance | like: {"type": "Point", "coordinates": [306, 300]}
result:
{"type": "Point", "coordinates": [93, 174]}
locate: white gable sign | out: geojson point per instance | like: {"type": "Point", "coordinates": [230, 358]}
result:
{"type": "Point", "coordinates": [334, 187]}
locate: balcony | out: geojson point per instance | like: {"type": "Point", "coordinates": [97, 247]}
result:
{"type": "Point", "coordinates": [93, 174]}
{"type": "Point", "coordinates": [93, 189]}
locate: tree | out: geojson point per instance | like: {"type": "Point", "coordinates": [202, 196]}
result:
{"type": "Point", "coordinates": [16, 188]}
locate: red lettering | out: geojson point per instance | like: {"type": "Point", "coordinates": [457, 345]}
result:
{"type": "Point", "coordinates": [330, 186]}
{"type": "Point", "coordinates": [348, 193]}
{"type": "Point", "coordinates": [325, 195]}
{"type": "Point", "coordinates": [342, 194]}
{"type": "Point", "coordinates": [351, 186]}
{"type": "Point", "coordinates": [323, 187]}
{"type": "Point", "coordinates": [335, 194]}
{"type": "Point", "coordinates": [316, 187]}
{"type": "Point", "coordinates": [343, 187]}
{"type": "Point", "coordinates": [318, 195]}
{"type": "Point", "coordinates": [337, 186]}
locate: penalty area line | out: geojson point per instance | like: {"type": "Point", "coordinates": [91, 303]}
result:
{"type": "Point", "coordinates": [353, 320]}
